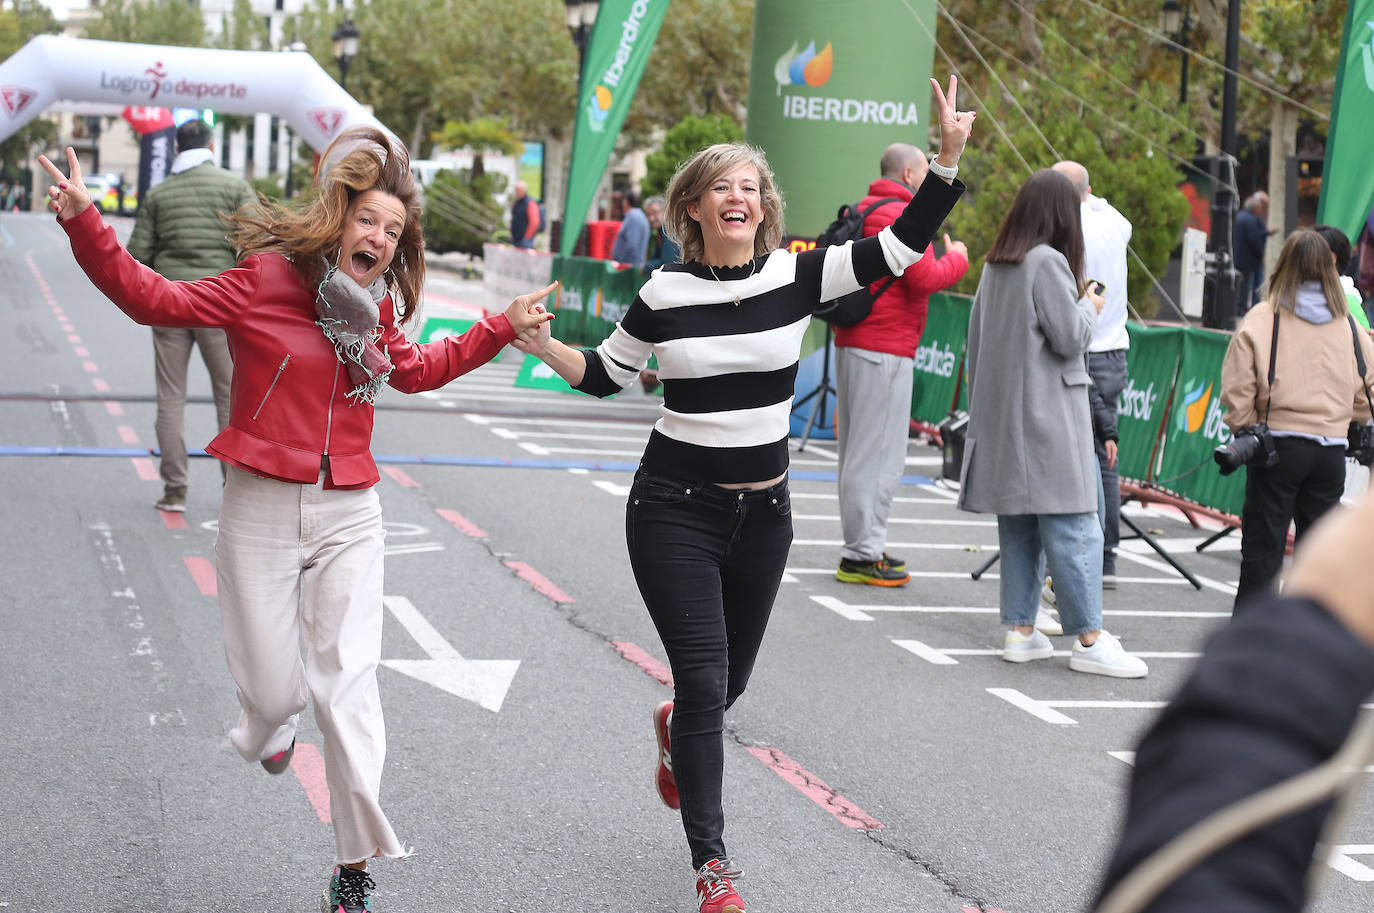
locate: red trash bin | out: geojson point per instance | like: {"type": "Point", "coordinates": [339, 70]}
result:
{"type": "Point", "coordinates": [600, 236]}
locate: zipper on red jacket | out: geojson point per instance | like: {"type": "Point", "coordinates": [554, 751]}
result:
{"type": "Point", "coordinates": [272, 386]}
{"type": "Point", "coordinates": [329, 425]}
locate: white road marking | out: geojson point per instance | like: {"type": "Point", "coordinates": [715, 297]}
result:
{"type": "Point", "coordinates": [921, 521]}
{"type": "Point", "coordinates": [1339, 859]}
{"type": "Point", "coordinates": [482, 681]}
{"type": "Point", "coordinates": [944, 656]}
{"type": "Point", "coordinates": [1129, 555]}
{"type": "Point", "coordinates": [1047, 710]}
{"type": "Point", "coordinates": [620, 491]}
{"type": "Point", "coordinates": [861, 612]}
{"type": "Point", "coordinates": [1125, 757]}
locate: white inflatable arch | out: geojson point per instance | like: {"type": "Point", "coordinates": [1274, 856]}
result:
{"type": "Point", "coordinates": [52, 68]}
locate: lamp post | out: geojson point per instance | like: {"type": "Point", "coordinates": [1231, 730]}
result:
{"type": "Point", "coordinates": [1176, 21]}
{"type": "Point", "coordinates": [581, 16]}
{"type": "Point", "coordinates": [296, 46]}
{"type": "Point", "coordinates": [345, 48]}
{"type": "Point", "coordinates": [1226, 300]}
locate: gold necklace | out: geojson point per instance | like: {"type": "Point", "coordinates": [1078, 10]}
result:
{"type": "Point", "coordinates": [753, 264]}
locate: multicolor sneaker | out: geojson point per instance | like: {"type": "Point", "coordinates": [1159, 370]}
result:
{"type": "Point", "coordinates": [349, 891]}
{"type": "Point", "coordinates": [875, 573]}
{"type": "Point", "coordinates": [278, 762]}
{"type": "Point", "coordinates": [897, 564]}
{"type": "Point", "coordinates": [663, 771]}
{"type": "Point", "coordinates": [716, 888]}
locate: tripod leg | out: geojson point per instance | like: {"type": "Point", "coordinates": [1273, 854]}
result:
{"type": "Point", "coordinates": [1159, 550]}
{"type": "Point", "coordinates": [822, 390]}
{"type": "Point", "coordinates": [1215, 537]}
{"type": "Point", "coordinates": [983, 568]}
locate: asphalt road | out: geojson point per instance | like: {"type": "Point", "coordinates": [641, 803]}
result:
{"type": "Point", "coordinates": [883, 759]}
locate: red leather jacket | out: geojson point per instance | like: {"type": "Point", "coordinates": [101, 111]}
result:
{"type": "Point", "coordinates": [288, 407]}
{"type": "Point", "coordinates": [898, 317]}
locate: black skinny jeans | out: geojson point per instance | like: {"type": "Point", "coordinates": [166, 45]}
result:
{"type": "Point", "coordinates": [1307, 481]}
{"type": "Point", "coordinates": [708, 561]}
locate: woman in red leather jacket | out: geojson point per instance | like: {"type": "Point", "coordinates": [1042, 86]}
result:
{"type": "Point", "coordinates": [312, 313]}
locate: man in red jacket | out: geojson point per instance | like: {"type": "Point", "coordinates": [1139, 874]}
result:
{"type": "Point", "coordinates": [874, 361]}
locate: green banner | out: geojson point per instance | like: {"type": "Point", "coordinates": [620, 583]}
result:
{"type": "Point", "coordinates": [614, 60]}
{"type": "Point", "coordinates": [1143, 406]}
{"type": "Point", "coordinates": [539, 376]}
{"type": "Point", "coordinates": [1195, 428]}
{"type": "Point", "coordinates": [940, 358]}
{"type": "Point", "coordinates": [1347, 179]}
{"type": "Point", "coordinates": [436, 328]}
{"type": "Point", "coordinates": [592, 297]}
{"type": "Point", "coordinates": [832, 84]}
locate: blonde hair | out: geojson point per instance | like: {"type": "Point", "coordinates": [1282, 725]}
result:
{"type": "Point", "coordinates": [1306, 257]}
{"type": "Point", "coordinates": [697, 174]}
{"type": "Point", "coordinates": [309, 232]}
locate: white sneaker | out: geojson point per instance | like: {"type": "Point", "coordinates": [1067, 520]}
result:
{"type": "Point", "coordinates": [1047, 597]}
{"type": "Point", "coordinates": [1047, 623]}
{"type": "Point", "coordinates": [1106, 657]}
{"type": "Point", "coordinates": [1022, 648]}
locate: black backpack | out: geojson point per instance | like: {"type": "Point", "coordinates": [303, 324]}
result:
{"type": "Point", "coordinates": [847, 310]}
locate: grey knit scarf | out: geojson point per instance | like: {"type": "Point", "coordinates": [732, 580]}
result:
{"type": "Point", "coordinates": [348, 314]}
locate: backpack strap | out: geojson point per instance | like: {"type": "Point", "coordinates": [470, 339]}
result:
{"type": "Point", "coordinates": [1359, 360]}
{"type": "Point", "coordinates": [863, 217]}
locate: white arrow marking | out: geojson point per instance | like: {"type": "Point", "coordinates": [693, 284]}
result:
{"type": "Point", "coordinates": [482, 681]}
{"type": "Point", "coordinates": [1046, 711]}
{"type": "Point", "coordinates": [1340, 861]}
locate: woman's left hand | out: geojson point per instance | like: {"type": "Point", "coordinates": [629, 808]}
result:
{"type": "Point", "coordinates": [530, 318]}
{"type": "Point", "coordinates": [955, 126]}
{"type": "Point", "coordinates": [68, 197]}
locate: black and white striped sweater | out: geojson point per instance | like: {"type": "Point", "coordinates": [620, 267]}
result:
{"type": "Point", "coordinates": [729, 370]}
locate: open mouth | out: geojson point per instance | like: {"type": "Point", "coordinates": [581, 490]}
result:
{"type": "Point", "coordinates": [736, 217]}
{"type": "Point", "coordinates": [363, 262]}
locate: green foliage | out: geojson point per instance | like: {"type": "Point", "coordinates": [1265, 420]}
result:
{"type": "Point", "coordinates": [682, 142]}
{"type": "Point", "coordinates": [460, 211]}
{"type": "Point", "coordinates": [242, 29]}
{"type": "Point", "coordinates": [269, 187]}
{"type": "Point", "coordinates": [172, 22]}
{"type": "Point", "coordinates": [483, 135]}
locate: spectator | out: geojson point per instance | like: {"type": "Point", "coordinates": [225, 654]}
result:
{"type": "Point", "coordinates": [1341, 253]}
{"type": "Point", "coordinates": [524, 217]}
{"type": "Point", "coordinates": [632, 239]}
{"type": "Point", "coordinates": [1274, 695]}
{"type": "Point", "coordinates": [181, 234]}
{"type": "Point", "coordinates": [1364, 248]}
{"type": "Point", "coordinates": [1028, 456]}
{"type": "Point", "coordinates": [662, 249]}
{"type": "Point", "coordinates": [1251, 235]}
{"type": "Point", "coordinates": [1106, 235]}
{"type": "Point", "coordinates": [1316, 391]}
{"type": "Point", "coordinates": [874, 363]}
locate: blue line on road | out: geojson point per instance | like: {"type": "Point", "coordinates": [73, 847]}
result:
{"type": "Point", "coordinates": [803, 475]}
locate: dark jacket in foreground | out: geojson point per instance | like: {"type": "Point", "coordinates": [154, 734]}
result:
{"type": "Point", "coordinates": [1274, 695]}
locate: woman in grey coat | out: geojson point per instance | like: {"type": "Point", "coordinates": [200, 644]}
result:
{"type": "Point", "coordinates": [1028, 457]}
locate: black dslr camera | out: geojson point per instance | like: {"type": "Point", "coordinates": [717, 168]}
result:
{"type": "Point", "coordinates": [1253, 446]}
{"type": "Point", "coordinates": [1360, 443]}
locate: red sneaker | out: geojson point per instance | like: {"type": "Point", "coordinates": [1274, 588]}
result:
{"type": "Point", "coordinates": [716, 888]}
{"type": "Point", "coordinates": [663, 771]}
{"type": "Point", "coordinates": [278, 762]}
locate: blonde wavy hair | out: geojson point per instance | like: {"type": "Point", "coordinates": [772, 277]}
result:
{"type": "Point", "coordinates": [1306, 257]}
{"type": "Point", "coordinates": [309, 232]}
{"type": "Point", "coordinates": [697, 174]}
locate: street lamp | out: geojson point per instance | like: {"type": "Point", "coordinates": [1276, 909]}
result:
{"type": "Point", "coordinates": [1176, 22]}
{"type": "Point", "coordinates": [345, 48]}
{"type": "Point", "coordinates": [581, 16]}
{"type": "Point", "coordinates": [296, 46]}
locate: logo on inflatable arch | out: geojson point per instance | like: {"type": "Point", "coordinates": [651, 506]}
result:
{"type": "Point", "coordinates": [805, 68]}
{"type": "Point", "coordinates": [327, 119]}
{"type": "Point", "coordinates": [598, 108]}
{"type": "Point", "coordinates": [15, 99]}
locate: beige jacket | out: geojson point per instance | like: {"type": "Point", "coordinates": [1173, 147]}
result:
{"type": "Point", "coordinates": [1316, 382]}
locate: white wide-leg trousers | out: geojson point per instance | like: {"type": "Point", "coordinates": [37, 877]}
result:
{"type": "Point", "coordinates": [301, 563]}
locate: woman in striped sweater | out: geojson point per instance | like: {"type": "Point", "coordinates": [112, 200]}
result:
{"type": "Point", "coordinates": [709, 517]}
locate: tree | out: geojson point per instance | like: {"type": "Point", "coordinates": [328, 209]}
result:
{"type": "Point", "coordinates": [20, 22]}
{"type": "Point", "coordinates": [702, 46]}
{"type": "Point", "coordinates": [172, 22]}
{"type": "Point", "coordinates": [461, 212]}
{"type": "Point", "coordinates": [681, 143]}
{"type": "Point", "coordinates": [486, 134]}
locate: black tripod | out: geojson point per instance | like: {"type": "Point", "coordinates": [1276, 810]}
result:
{"type": "Point", "coordinates": [823, 390]}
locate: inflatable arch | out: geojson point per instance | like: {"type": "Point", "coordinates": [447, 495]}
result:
{"type": "Point", "coordinates": [293, 86]}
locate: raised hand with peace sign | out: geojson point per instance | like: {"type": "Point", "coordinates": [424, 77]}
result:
{"type": "Point", "coordinates": [68, 197]}
{"type": "Point", "coordinates": [955, 125]}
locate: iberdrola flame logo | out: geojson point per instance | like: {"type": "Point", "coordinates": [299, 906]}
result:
{"type": "Point", "coordinates": [1194, 411]}
{"type": "Point", "coordinates": [806, 68]}
{"type": "Point", "coordinates": [598, 108]}
{"type": "Point", "coordinates": [1368, 50]}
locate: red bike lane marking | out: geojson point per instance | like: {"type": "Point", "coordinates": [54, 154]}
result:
{"type": "Point", "coordinates": [308, 765]}
{"type": "Point", "coordinates": [127, 434]}
{"type": "Point", "coordinates": [147, 472]}
{"type": "Point", "coordinates": [464, 525]}
{"type": "Point", "coordinates": [649, 664]}
{"type": "Point", "coordinates": [203, 573]}
{"type": "Point", "coordinates": [400, 476]}
{"type": "Point", "coordinates": [537, 580]}
{"type": "Point", "coordinates": [811, 786]}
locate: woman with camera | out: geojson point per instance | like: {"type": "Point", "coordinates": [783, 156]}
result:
{"type": "Point", "coordinates": [1291, 385]}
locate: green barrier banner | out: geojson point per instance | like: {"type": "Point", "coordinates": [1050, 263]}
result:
{"type": "Point", "coordinates": [1143, 405]}
{"type": "Point", "coordinates": [614, 60]}
{"type": "Point", "coordinates": [539, 376]}
{"type": "Point", "coordinates": [436, 328]}
{"type": "Point", "coordinates": [831, 85]}
{"type": "Point", "coordinates": [1347, 179]}
{"type": "Point", "coordinates": [1195, 428]}
{"type": "Point", "coordinates": [593, 296]}
{"type": "Point", "coordinates": [940, 358]}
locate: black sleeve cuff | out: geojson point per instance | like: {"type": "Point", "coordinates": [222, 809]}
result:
{"type": "Point", "coordinates": [595, 380]}
{"type": "Point", "coordinates": [917, 224]}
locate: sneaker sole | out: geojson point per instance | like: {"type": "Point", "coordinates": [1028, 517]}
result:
{"type": "Point", "coordinates": [1028, 656]}
{"type": "Point", "coordinates": [171, 508]}
{"type": "Point", "coordinates": [849, 577]}
{"type": "Point", "coordinates": [1092, 668]}
{"type": "Point", "coordinates": [324, 904]}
